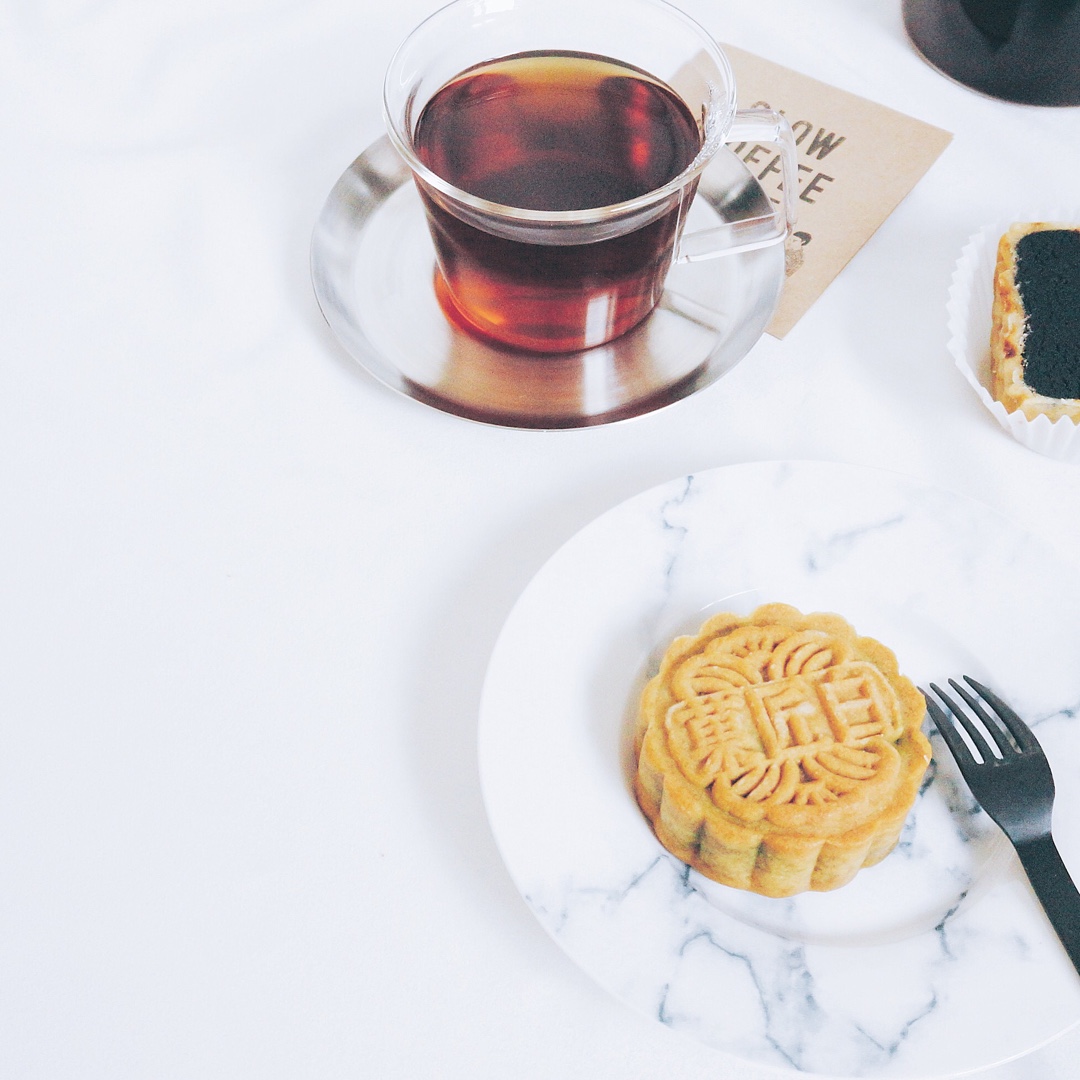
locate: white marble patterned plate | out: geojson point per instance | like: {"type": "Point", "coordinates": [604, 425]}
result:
{"type": "Point", "coordinates": [934, 963]}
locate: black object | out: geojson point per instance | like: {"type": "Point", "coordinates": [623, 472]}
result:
{"type": "Point", "coordinates": [1048, 281]}
{"type": "Point", "coordinates": [1018, 50]}
{"type": "Point", "coordinates": [1014, 785]}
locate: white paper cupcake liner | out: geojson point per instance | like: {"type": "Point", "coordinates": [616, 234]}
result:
{"type": "Point", "coordinates": [970, 306]}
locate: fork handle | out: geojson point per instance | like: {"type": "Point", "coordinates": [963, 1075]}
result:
{"type": "Point", "coordinates": [1055, 890]}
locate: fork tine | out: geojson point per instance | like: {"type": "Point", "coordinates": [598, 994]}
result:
{"type": "Point", "coordinates": [972, 731]}
{"type": "Point", "coordinates": [991, 723]}
{"type": "Point", "coordinates": [960, 750]}
{"type": "Point", "coordinates": [1023, 735]}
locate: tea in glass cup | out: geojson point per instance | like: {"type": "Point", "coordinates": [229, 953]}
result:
{"type": "Point", "coordinates": [555, 164]}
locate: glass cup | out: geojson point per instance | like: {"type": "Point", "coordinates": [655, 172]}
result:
{"type": "Point", "coordinates": [1026, 51]}
{"type": "Point", "coordinates": [518, 261]}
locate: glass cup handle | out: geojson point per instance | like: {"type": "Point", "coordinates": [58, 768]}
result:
{"type": "Point", "coordinates": [760, 125]}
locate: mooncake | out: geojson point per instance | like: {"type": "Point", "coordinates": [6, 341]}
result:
{"type": "Point", "coordinates": [1035, 336]}
{"type": "Point", "coordinates": [779, 752]}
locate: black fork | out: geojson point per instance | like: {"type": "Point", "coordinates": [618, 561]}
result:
{"type": "Point", "coordinates": [1012, 782]}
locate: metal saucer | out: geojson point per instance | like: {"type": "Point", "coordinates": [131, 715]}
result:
{"type": "Point", "coordinates": [372, 266]}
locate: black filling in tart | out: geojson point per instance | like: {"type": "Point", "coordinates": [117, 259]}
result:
{"type": "Point", "coordinates": [1048, 280]}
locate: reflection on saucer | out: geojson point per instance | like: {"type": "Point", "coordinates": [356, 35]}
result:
{"type": "Point", "coordinates": [484, 380]}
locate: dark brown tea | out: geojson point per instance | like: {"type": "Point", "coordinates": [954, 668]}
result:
{"type": "Point", "coordinates": [555, 131]}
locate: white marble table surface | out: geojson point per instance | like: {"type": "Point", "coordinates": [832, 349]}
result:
{"type": "Point", "coordinates": [248, 595]}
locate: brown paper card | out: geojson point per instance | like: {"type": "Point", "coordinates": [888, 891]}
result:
{"type": "Point", "coordinates": [857, 161]}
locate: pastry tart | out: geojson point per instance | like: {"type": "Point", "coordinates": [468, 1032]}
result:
{"type": "Point", "coordinates": [1035, 336]}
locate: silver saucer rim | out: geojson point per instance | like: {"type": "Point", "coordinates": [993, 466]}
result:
{"type": "Point", "coordinates": [638, 385]}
